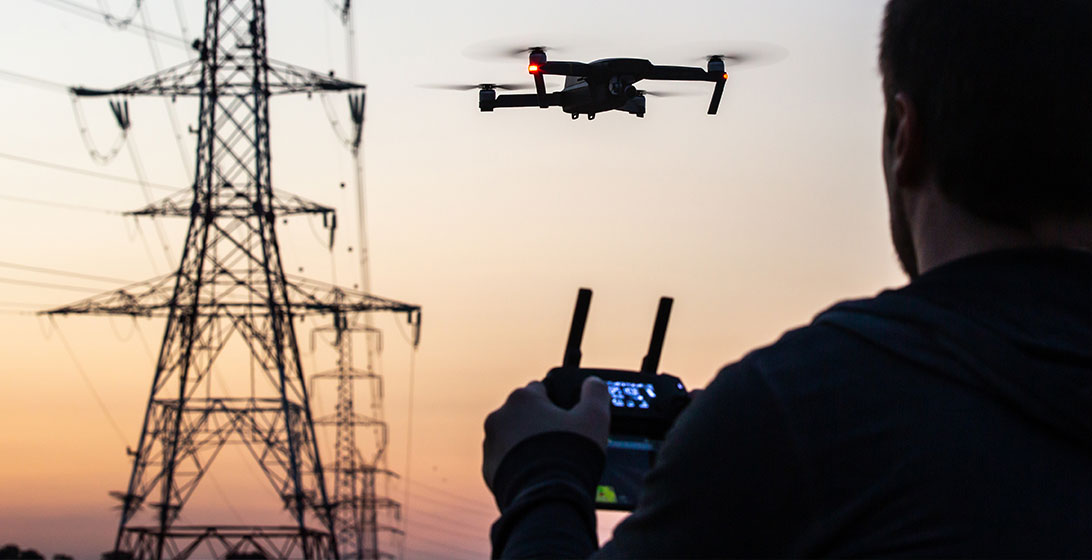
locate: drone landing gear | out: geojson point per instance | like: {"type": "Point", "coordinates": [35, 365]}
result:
{"type": "Point", "coordinates": [576, 116]}
{"type": "Point", "coordinates": [591, 116]}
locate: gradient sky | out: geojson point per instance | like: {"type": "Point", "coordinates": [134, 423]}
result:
{"type": "Point", "coordinates": [753, 220]}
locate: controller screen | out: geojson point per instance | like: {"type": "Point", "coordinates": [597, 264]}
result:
{"type": "Point", "coordinates": [628, 394]}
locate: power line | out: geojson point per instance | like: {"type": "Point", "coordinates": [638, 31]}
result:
{"type": "Point", "coordinates": [87, 381]}
{"type": "Point", "coordinates": [414, 552]}
{"type": "Point", "coordinates": [58, 204]}
{"type": "Point", "coordinates": [21, 304]}
{"type": "Point", "coordinates": [123, 21]}
{"type": "Point", "coordinates": [88, 172]}
{"type": "Point", "coordinates": [453, 494]}
{"type": "Point", "coordinates": [102, 17]}
{"type": "Point", "coordinates": [463, 536]}
{"type": "Point", "coordinates": [457, 526]}
{"type": "Point", "coordinates": [465, 502]}
{"type": "Point", "coordinates": [167, 103]}
{"type": "Point", "coordinates": [59, 272]}
{"type": "Point", "coordinates": [33, 283]}
{"type": "Point", "coordinates": [31, 80]}
{"type": "Point", "coordinates": [452, 504]}
{"type": "Point", "coordinates": [447, 545]}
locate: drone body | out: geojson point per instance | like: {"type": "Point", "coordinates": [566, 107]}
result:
{"type": "Point", "coordinates": [603, 85]}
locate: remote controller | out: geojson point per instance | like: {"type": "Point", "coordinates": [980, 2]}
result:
{"type": "Point", "coordinates": [644, 405]}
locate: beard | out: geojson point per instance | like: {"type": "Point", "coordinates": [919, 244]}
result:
{"type": "Point", "coordinates": [901, 237]}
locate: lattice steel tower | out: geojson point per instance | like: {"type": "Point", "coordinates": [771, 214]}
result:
{"type": "Point", "coordinates": [230, 285]}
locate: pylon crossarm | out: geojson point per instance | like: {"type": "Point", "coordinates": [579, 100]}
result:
{"type": "Point", "coordinates": [142, 299]}
{"type": "Point", "coordinates": [288, 78]}
{"type": "Point", "coordinates": [235, 78]}
{"type": "Point", "coordinates": [314, 297]}
{"type": "Point", "coordinates": [181, 79]}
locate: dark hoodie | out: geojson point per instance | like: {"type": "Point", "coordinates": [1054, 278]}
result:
{"type": "Point", "coordinates": [949, 418]}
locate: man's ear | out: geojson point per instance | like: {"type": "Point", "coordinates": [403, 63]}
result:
{"type": "Point", "coordinates": [907, 154]}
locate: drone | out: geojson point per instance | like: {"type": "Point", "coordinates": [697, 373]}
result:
{"type": "Point", "coordinates": [603, 85]}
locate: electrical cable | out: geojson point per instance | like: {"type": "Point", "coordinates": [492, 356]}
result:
{"type": "Point", "coordinates": [22, 304]}
{"type": "Point", "coordinates": [167, 102]}
{"type": "Point", "coordinates": [408, 477]}
{"type": "Point", "coordinates": [87, 381]}
{"type": "Point", "coordinates": [425, 553]}
{"type": "Point", "coordinates": [138, 167]}
{"type": "Point", "coordinates": [63, 205]}
{"type": "Point", "coordinates": [461, 534]}
{"type": "Point", "coordinates": [35, 284]}
{"type": "Point", "coordinates": [16, 312]}
{"type": "Point", "coordinates": [181, 20]}
{"type": "Point", "coordinates": [44, 270]}
{"type": "Point", "coordinates": [458, 522]}
{"type": "Point", "coordinates": [100, 157]}
{"type": "Point", "coordinates": [453, 495]}
{"type": "Point", "coordinates": [448, 546]}
{"type": "Point", "coordinates": [98, 16]}
{"type": "Point", "coordinates": [87, 172]}
{"type": "Point", "coordinates": [119, 22]}
{"type": "Point", "coordinates": [453, 504]}
{"type": "Point", "coordinates": [31, 80]}
{"type": "Point", "coordinates": [335, 123]}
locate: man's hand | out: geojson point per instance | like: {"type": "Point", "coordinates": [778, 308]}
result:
{"type": "Point", "coordinates": [529, 412]}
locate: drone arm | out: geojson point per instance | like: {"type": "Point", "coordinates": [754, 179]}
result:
{"type": "Point", "coordinates": [681, 74]}
{"type": "Point", "coordinates": [526, 100]}
{"type": "Point", "coordinates": [569, 69]}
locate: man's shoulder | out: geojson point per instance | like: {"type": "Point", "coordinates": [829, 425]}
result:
{"type": "Point", "coordinates": [837, 340]}
{"type": "Point", "coordinates": [856, 355]}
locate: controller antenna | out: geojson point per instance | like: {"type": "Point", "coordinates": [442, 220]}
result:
{"type": "Point", "coordinates": [651, 363]}
{"type": "Point", "coordinates": [576, 331]}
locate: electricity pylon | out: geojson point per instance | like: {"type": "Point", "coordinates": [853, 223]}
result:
{"type": "Point", "coordinates": [230, 282]}
{"type": "Point", "coordinates": [359, 462]}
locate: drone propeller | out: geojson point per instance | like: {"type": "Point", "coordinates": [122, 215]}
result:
{"type": "Point", "coordinates": [749, 54]}
{"type": "Point", "coordinates": [468, 87]}
{"type": "Point", "coordinates": [520, 51]}
{"type": "Point", "coordinates": [730, 59]}
{"type": "Point", "coordinates": [507, 49]}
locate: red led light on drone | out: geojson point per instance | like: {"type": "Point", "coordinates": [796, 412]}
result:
{"type": "Point", "coordinates": [725, 75]}
{"type": "Point", "coordinates": [532, 68]}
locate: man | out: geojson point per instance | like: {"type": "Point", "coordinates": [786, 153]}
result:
{"type": "Point", "coordinates": [949, 418]}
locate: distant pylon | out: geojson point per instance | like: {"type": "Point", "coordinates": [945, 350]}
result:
{"type": "Point", "coordinates": [358, 465]}
{"type": "Point", "coordinates": [230, 282]}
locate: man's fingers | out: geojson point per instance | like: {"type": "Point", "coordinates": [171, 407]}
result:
{"type": "Point", "coordinates": [536, 387]}
{"type": "Point", "coordinates": [594, 395]}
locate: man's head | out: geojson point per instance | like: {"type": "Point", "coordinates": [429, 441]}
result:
{"type": "Point", "coordinates": [991, 103]}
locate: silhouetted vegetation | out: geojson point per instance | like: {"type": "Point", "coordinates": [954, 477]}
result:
{"type": "Point", "coordinates": [12, 552]}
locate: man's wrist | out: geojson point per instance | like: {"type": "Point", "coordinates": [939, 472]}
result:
{"type": "Point", "coordinates": [545, 457]}
{"type": "Point", "coordinates": [554, 469]}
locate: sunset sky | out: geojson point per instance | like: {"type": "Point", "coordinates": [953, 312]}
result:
{"type": "Point", "coordinates": [753, 220]}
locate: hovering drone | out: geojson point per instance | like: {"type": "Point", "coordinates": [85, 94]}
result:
{"type": "Point", "coordinates": [602, 85]}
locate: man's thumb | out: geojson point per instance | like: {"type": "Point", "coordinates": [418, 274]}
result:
{"type": "Point", "coordinates": [594, 394]}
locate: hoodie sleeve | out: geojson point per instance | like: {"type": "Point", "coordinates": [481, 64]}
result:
{"type": "Point", "coordinates": [545, 488]}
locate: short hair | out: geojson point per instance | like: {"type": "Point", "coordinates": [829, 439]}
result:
{"type": "Point", "coordinates": [1003, 90]}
